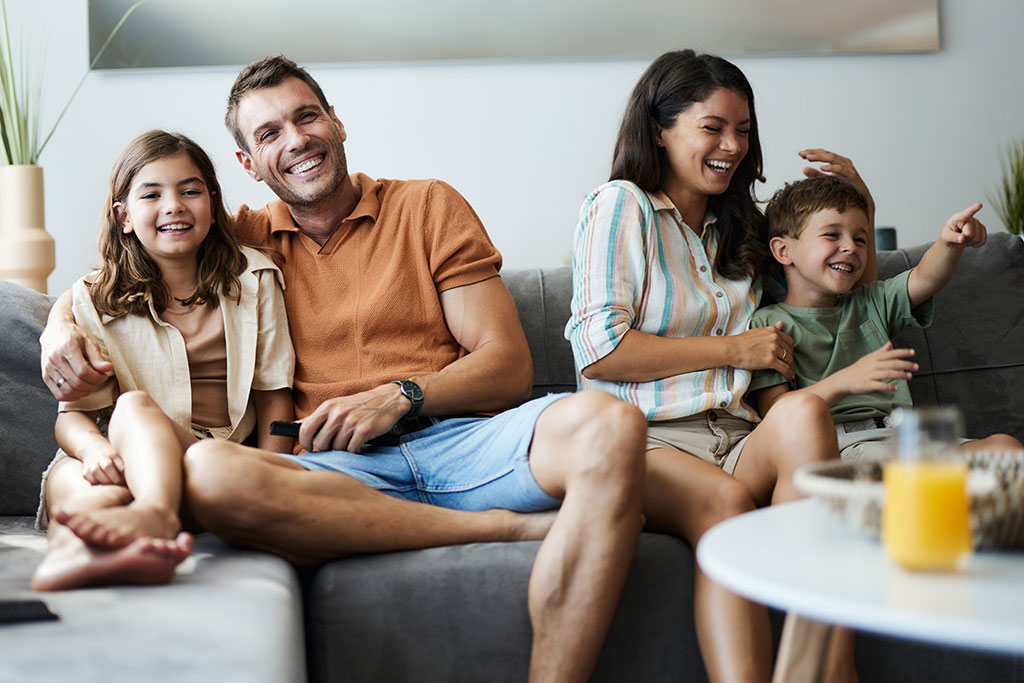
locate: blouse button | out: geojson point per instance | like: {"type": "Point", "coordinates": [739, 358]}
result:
{"type": "Point", "coordinates": [719, 332]}
{"type": "Point", "coordinates": [718, 294]}
{"type": "Point", "coordinates": [703, 269]}
{"type": "Point", "coordinates": [722, 404]}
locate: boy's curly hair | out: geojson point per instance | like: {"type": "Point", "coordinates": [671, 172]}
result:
{"type": "Point", "coordinates": [789, 208]}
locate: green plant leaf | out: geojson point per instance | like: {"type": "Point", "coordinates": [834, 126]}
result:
{"type": "Point", "coordinates": [19, 107]}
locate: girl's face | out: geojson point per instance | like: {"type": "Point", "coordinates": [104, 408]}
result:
{"type": "Point", "coordinates": [706, 144]}
{"type": "Point", "coordinates": [168, 208]}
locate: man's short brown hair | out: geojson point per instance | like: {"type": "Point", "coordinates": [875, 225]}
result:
{"type": "Point", "coordinates": [789, 209]}
{"type": "Point", "coordinates": [265, 73]}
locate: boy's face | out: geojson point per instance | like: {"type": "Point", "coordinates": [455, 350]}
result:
{"type": "Point", "coordinates": [826, 260]}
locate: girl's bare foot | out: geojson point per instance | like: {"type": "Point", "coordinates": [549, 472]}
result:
{"type": "Point", "coordinates": [143, 561]}
{"type": "Point", "coordinates": [116, 527]}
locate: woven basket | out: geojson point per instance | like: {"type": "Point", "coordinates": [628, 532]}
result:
{"type": "Point", "coordinates": [995, 483]}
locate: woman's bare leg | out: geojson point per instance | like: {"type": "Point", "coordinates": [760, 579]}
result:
{"type": "Point", "coordinates": [796, 431]}
{"type": "Point", "coordinates": [687, 496]}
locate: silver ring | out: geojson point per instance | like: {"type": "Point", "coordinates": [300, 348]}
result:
{"type": "Point", "coordinates": [60, 382]}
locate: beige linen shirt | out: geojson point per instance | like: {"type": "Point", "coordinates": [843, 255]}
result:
{"type": "Point", "coordinates": [149, 355]}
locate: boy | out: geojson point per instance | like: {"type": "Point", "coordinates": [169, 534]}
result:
{"type": "Point", "coordinates": [818, 230]}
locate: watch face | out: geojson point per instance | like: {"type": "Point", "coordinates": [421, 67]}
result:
{"type": "Point", "coordinates": [412, 390]}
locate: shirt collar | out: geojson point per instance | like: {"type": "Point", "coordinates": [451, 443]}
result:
{"type": "Point", "coordinates": [368, 206]}
{"type": "Point", "coordinates": [661, 202]}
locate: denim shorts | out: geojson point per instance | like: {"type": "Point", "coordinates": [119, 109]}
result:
{"type": "Point", "coordinates": [464, 463]}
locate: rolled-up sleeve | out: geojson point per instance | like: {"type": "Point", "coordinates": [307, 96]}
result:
{"type": "Point", "coordinates": [275, 357]}
{"type": "Point", "coordinates": [609, 262]}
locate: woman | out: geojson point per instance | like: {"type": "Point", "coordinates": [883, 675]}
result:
{"type": "Point", "coordinates": [667, 273]}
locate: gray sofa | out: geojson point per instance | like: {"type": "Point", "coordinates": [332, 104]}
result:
{"type": "Point", "coordinates": [455, 613]}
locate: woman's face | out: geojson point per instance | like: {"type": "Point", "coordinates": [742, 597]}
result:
{"type": "Point", "coordinates": [706, 143]}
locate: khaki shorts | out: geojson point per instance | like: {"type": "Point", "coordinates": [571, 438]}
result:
{"type": "Point", "coordinates": [873, 438]}
{"type": "Point", "coordinates": [868, 439]}
{"type": "Point", "coordinates": [713, 436]}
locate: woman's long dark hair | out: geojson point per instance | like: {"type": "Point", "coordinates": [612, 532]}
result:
{"type": "Point", "coordinates": [672, 83]}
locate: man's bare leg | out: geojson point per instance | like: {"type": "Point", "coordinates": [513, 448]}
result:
{"type": "Point", "coordinates": [71, 563]}
{"type": "Point", "coordinates": [589, 450]}
{"type": "Point", "coordinates": [152, 448]}
{"type": "Point", "coordinates": [253, 498]}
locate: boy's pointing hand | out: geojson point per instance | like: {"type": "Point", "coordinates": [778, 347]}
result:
{"type": "Point", "coordinates": [964, 230]}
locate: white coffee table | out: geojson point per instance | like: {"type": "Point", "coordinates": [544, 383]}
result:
{"type": "Point", "coordinates": [800, 558]}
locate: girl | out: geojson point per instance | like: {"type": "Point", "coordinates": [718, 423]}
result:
{"type": "Point", "coordinates": [667, 273]}
{"type": "Point", "coordinates": [195, 330]}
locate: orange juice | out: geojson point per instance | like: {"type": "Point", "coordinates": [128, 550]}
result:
{"type": "Point", "coordinates": [925, 517]}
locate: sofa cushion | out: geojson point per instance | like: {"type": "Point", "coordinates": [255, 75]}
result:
{"type": "Point", "coordinates": [27, 410]}
{"type": "Point", "coordinates": [542, 298]}
{"type": "Point", "coordinates": [229, 616]}
{"type": "Point", "coordinates": [458, 613]}
{"type": "Point", "coordinates": [973, 353]}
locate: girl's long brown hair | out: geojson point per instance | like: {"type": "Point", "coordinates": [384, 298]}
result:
{"type": "Point", "coordinates": [128, 280]}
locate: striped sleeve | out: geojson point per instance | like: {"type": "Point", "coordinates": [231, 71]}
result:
{"type": "Point", "coordinates": [608, 270]}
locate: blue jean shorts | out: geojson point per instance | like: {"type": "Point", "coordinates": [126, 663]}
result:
{"type": "Point", "coordinates": [465, 463]}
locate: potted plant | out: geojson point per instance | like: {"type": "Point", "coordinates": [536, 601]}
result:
{"type": "Point", "coordinates": [1008, 200]}
{"type": "Point", "coordinates": [26, 250]}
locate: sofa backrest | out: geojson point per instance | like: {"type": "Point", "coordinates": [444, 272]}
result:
{"type": "Point", "coordinates": [27, 410]}
{"type": "Point", "coordinates": [971, 356]}
{"type": "Point", "coordinates": [973, 353]}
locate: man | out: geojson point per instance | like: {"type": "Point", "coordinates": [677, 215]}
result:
{"type": "Point", "coordinates": [398, 318]}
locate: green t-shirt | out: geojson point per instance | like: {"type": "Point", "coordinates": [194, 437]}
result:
{"type": "Point", "coordinates": [827, 340]}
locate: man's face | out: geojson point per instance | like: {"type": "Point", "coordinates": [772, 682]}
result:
{"type": "Point", "coordinates": [295, 147]}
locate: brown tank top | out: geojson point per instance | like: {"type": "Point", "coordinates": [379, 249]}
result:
{"type": "Point", "coordinates": [202, 327]}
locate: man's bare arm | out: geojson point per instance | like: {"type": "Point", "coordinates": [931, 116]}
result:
{"type": "Point", "coordinates": [497, 373]}
{"type": "Point", "coordinates": [72, 365]}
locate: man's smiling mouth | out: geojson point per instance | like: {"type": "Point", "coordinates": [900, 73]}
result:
{"type": "Point", "coordinates": [304, 166]}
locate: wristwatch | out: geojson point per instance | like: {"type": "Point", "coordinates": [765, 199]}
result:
{"type": "Point", "coordinates": [413, 392]}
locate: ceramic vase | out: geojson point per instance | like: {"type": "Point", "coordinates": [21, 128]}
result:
{"type": "Point", "coordinates": [26, 250]}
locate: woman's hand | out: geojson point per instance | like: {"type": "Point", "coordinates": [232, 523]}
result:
{"type": "Point", "coordinates": [763, 348]}
{"type": "Point", "coordinates": [834, 164]}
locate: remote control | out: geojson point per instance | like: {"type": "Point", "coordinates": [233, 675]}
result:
{"type": "Point", "coordinates": [282, 428]}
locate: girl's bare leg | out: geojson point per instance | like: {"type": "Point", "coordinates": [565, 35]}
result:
{"type": "Point", "coordinates": [152, 448]}
{"type": "Point", "coordinates": [71, 563]}
{"type": "Point", "coordinates": [687, 496]}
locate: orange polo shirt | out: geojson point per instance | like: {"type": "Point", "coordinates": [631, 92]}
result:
{"type": "Point", "coordinates": [364, 309]}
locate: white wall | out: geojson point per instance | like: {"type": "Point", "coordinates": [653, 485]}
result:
{"type": "Point", "coordinates": [525, 142]}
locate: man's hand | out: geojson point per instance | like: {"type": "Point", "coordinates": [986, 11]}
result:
{"type": "Point", "coordinates": [103, 466]}
{"type": "Point", "coordinates": [763, 348]}
{"type": "Point", "coordinates": [874, 371]}
{"type": "Point", "coordinates": [964, 230]}
{"type": "Point", "coordinates": [72, 365]}
{"type": "Point", "coordinates": [348, 422]}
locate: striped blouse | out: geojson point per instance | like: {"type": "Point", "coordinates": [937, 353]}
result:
{"type": "Point", "coordinates": [635, 266]}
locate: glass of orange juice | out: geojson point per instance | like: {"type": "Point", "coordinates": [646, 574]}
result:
{"type": "Point", "coordinates": [925, 524]}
